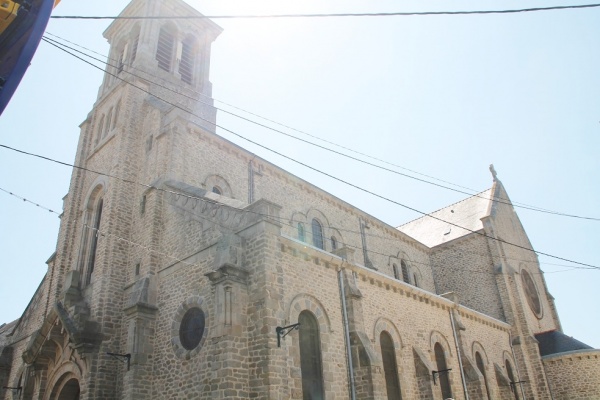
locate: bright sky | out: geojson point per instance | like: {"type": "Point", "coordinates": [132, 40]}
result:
{"type": "Point", "coordinates": [441, 95]}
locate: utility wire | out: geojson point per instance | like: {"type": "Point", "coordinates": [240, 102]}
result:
{"type": "Point", "coordinates": [495, 199]}
{"type": "Point", "coordinates": [29, 201]}
{"type": "Point", "coordinates": [284, 221]}
{"type": "Point", "coordinates": [330, 15]}
{"type": "Point", "coordinates": [180, 259]}
{"type": "Point", "coordinates": [328, 174]}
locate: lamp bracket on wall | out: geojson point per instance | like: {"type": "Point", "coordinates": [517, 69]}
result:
{"type": "Point", "coordinates": [513, 385]}
{"type": "Point", "coordinates": [127, 358]}
{"type": "Point", "coordinates": [436, 373]}
{"type": "Point", "coordinates": [17, 389]}
{"type": "Point", "coordinates": [284, 331]}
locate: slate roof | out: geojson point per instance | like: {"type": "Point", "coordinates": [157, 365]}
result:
{"type": "Point", "coordinates": [466, 213]}
{"type": "Point", "coordinates": [554, 342]}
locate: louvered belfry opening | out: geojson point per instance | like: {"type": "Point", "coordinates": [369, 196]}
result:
{"type": "Point", "coordinates": [164, 50]}
{"type": "Point", "coordinates": [134, 44]}
{"type": "Point", "coordinates": [186, 64]}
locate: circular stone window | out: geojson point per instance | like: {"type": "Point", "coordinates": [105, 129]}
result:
{"type": "Point", "coordinates": [191, 329]}
{"type": "Point", "coordinates": [532, 294]}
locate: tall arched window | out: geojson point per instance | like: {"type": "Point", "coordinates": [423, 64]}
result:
{"type": "Point", "coordinates": [317, 234]}
{"type": "Point", "coordinates": [481, 368]}
{"type": "Point", "coordinates": [390, 368]}
{"type": "Point", "coordinates": [440, 360]}
{"type": "Point", "coordinates": [93, 218]}
{"type": "Point", "coordinates": [135, 40]}
{"type": "Point", "coordinates": [405, 276]}
{"type": "Point", "coordinates": [511, 377]}
{"type": "Point", "coordinates": [100, 129]}
{"type": "Point", "coordinates": [301, 235]}
{"type": "Point", "coordinates": [116, 115]}
{"type": "Point", "coordinates": [187, 59]}
{"type": "Point", "coordinates": [310, 357]}
{"type": "Point", "coordinates": [165, 47]}
{"type": "Point", "coordinates": [122, 57]}
{"type": "Point", "coordinates": [108, 123]}
{"type": "Point", "coordinates": [334, 244]}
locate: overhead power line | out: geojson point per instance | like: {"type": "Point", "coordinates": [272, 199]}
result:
{"type": "Point", "coordinates": [323, 172]}
{"type": "Point", "coordinates": [282, 220]}
{"type": "Point", "coordinates": [472, 193]}
{"type": "Point", "coordinates": [337, 15]}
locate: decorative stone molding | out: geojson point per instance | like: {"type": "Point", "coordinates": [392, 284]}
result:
{"type": "Point", "coordinates": [307, 302]}
{"type": "Point", "coordinates": [228, 273]}
{"type": "Point", "coordinates": [384, 324]}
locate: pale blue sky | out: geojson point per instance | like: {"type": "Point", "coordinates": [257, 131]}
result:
{"type": "Point", "coordinates": [442, 95]}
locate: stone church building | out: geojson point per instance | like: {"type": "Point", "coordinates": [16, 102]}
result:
{"type": "Point", "coordinates": [188, 268]}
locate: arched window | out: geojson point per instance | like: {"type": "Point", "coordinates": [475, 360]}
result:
{"type": "Point", "coordinates": [100, 129]}
{"type": "Point", "coordinates": [415, 280]}
{"type": "Point", "coordinates": [390, 368]}
{"type": "Point", "coordinates": [108, 126]}
{"type": "Point", "coordinates": [405, 276]}
{"type": "Point", "coordinates": [301, 235]}
{"type": "Point", "coordinates": [116, 115]}
{"type": "Point", "coordinates": [396, 273]}
{"type": "Point", "coordinates": [440, 360]}
{"type": "Point", "coordinates": [511, 377]}
{"type": "Point", "coordinates": [187, 59]}
{"type": "Point", "coordinates": [333, 243]}
{"type": "Point", "coordinates": [135, 40]}
{"type": "Point", "coordinates": [93, 218]}
{"type": "Point", "coordinates": [481, 368]}
{"type": "Point", "coordinates": [165, 48]}
{"type": "Point", "coordinates": [217, 190]}
{"type": "Point", "coordinates": [317, 234]}
{"type": "Point", "coordinates": [122, 57]}
{"type": "Point", "coordinates": [310, 357]}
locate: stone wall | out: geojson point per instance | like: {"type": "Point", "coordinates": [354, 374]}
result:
{"type": "Point", "coordinates": [574, 375]}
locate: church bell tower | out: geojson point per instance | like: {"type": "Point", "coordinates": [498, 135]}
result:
{"type": "Point", "coordinates": [153, 104]}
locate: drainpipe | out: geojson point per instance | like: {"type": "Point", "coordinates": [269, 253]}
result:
{"type": "Point", "coordinates": [516, 365]}
{"type": "Point", "coordinates": [460, 364]}
{"type": "Point", "coordinates": [347, 336]}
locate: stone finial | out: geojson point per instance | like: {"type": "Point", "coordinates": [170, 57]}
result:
{"type": "Point", "coordinates": [494, 173]}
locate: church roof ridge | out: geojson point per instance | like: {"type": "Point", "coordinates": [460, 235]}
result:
{"type": "Point", "coordinates": [478, 195]}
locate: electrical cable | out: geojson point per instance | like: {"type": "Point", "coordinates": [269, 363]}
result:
{"type": "Point", "coordinates": [178, 259]}
{"type": "Point", "coordinates": [328, 174]}
{"type": "Point", "coordinates": [329, 15]}
{"type": "Point", "coordinates": [495, 199]}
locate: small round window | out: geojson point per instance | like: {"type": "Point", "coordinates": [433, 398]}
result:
{"type": "Point", "coordinates": [191, 329]}
{"type": "Point", "coordinates": [532, 294]}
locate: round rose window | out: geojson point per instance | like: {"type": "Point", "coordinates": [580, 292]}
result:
{"type": "Point", "coordinates": [191, 329]}
{"type": "Point", "coordinates": [532, 294]}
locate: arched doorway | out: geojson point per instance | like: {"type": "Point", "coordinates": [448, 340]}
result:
{"type": "Point", "coordinates": [67, 388]}
{"type": "Point", "coordinates": [70, 391]}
